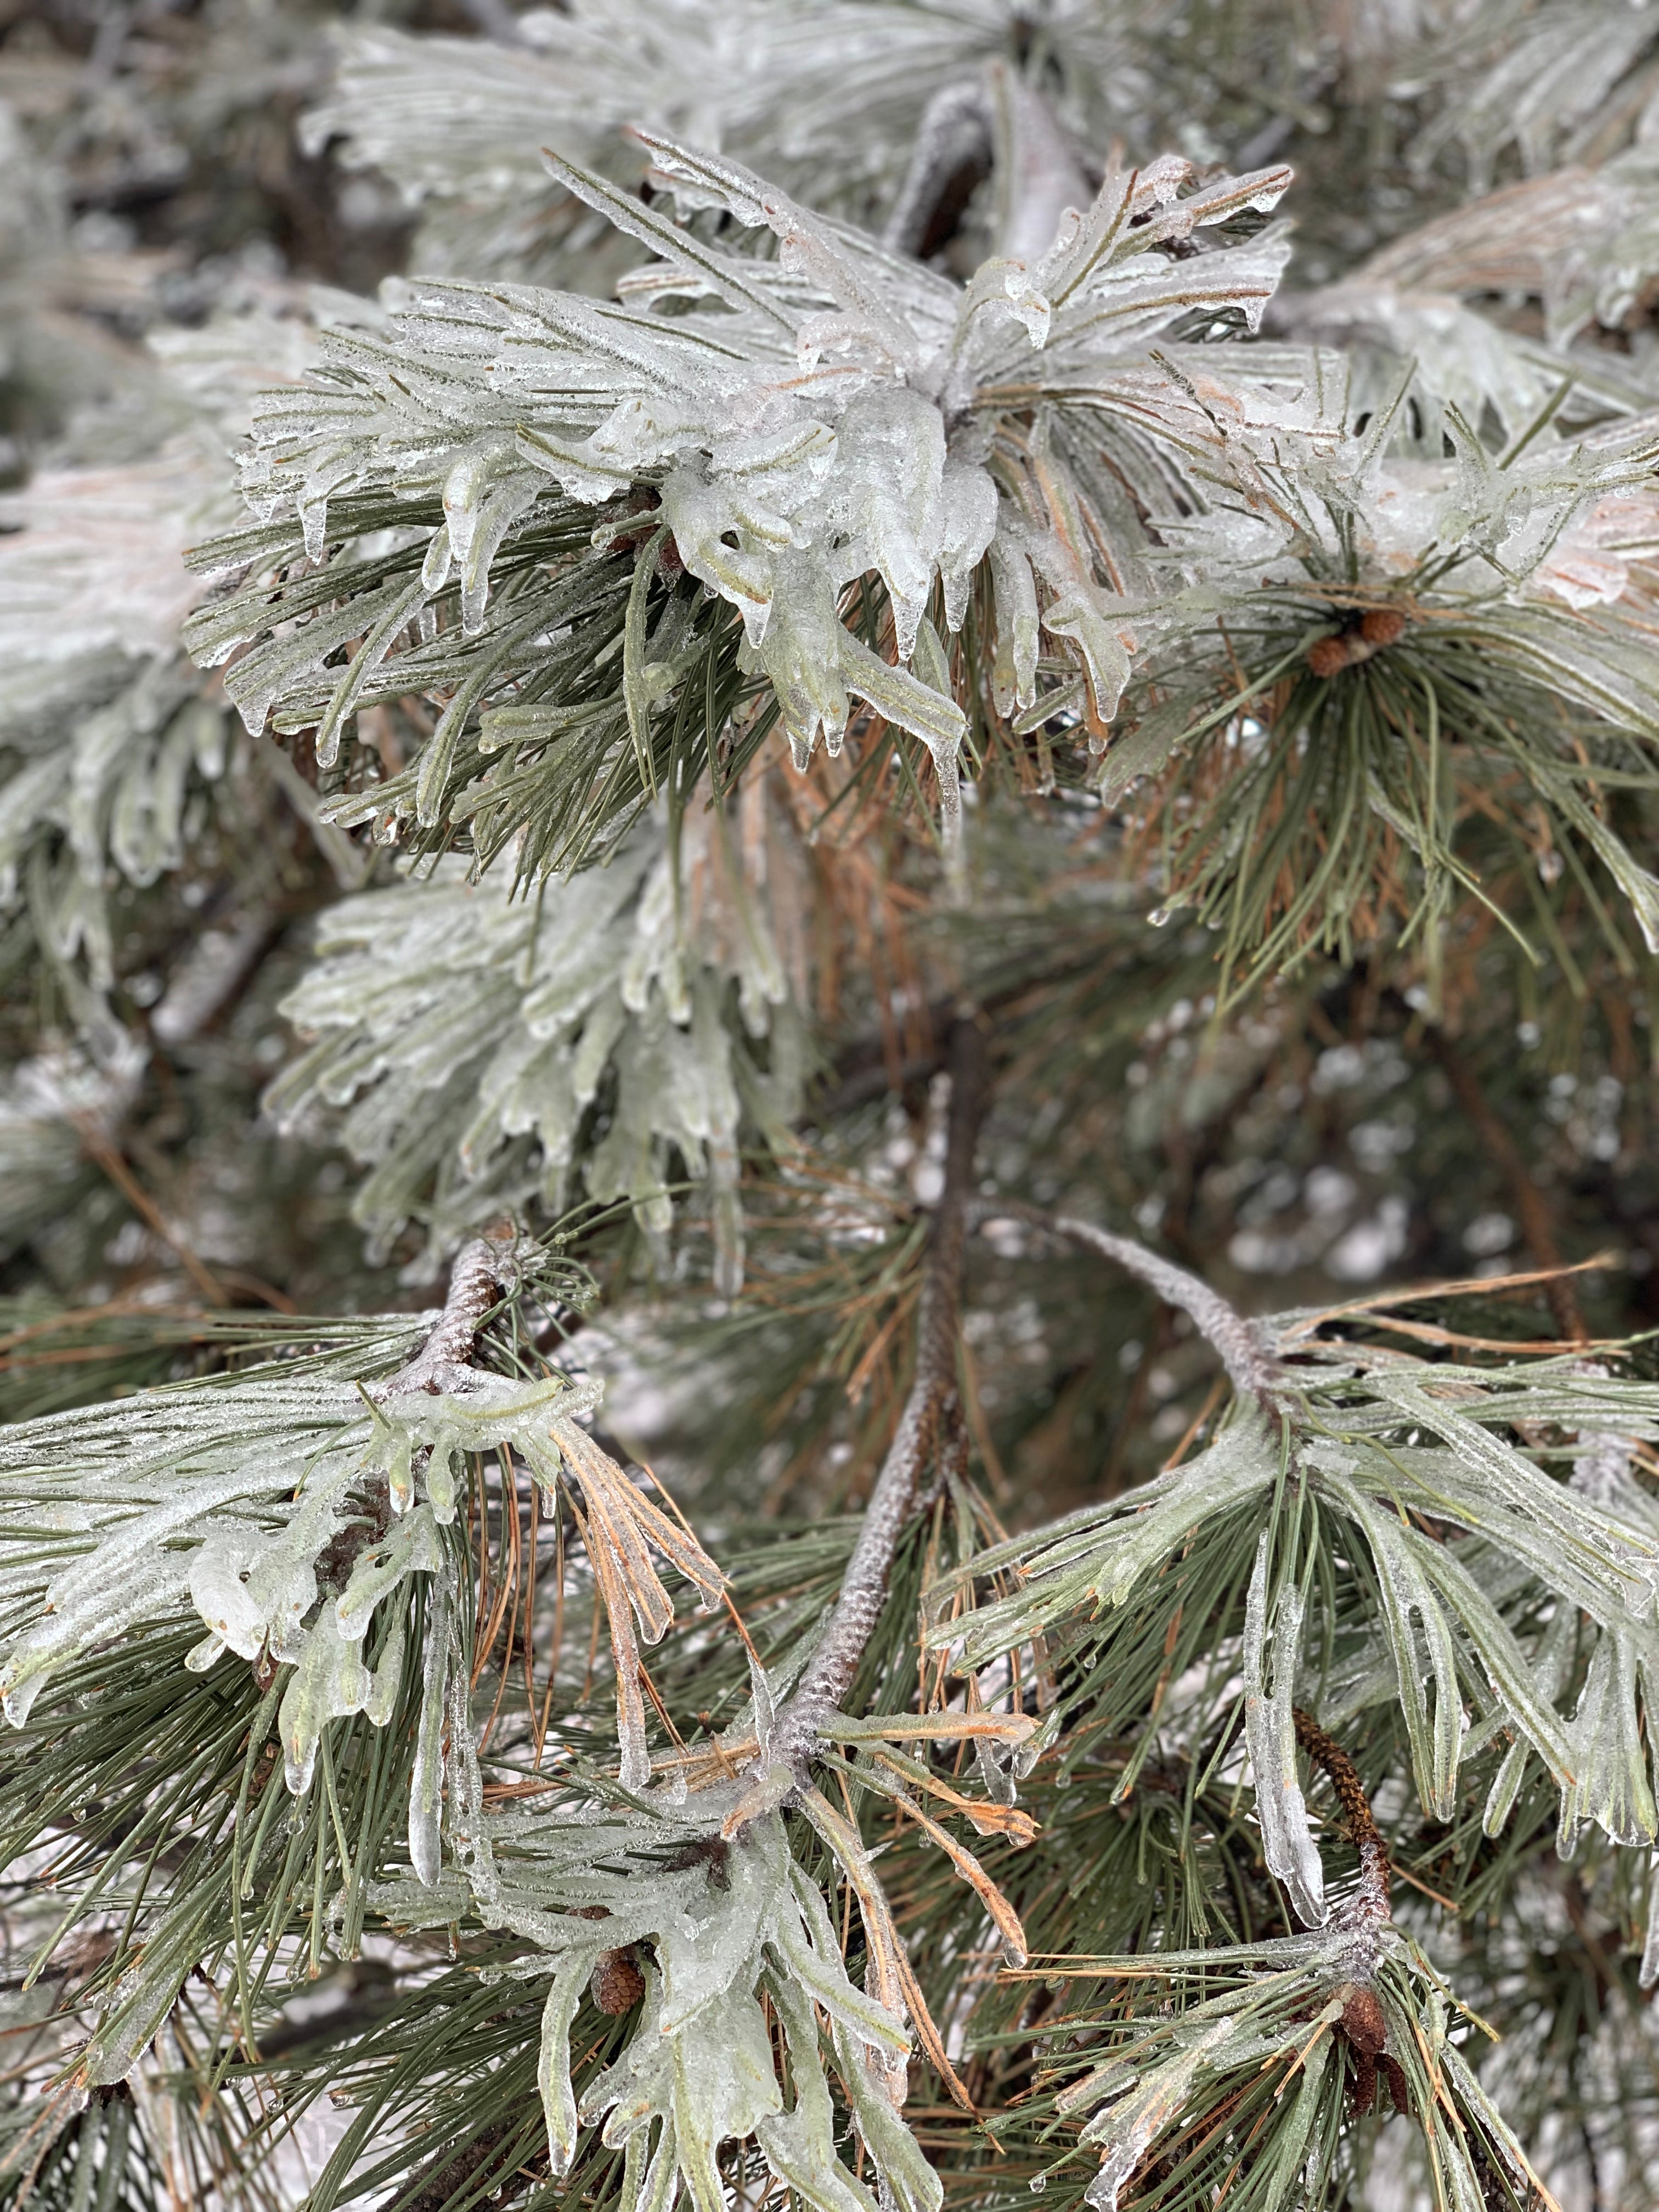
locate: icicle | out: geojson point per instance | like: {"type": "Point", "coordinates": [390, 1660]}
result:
{"type": "Point", "coordinates": [500, 512]}
{"type": "Point", "coordinates": [967, 524]}
{"type": "Point", "coordinates": [387, 1679]}
{"type": "Point", "coordinates": [890, 473]}
{"type": "Point", "coordinates": [434, 569]}
{"type": "Point", "coordinates": [1013, 670]}
{"type": "Point", "coordinates": [1649, 1975]}
{"type": "Point", "coordinates": [426, 1782]}
{"type": "Point", "coordinates": [1270, 1738]}
{"type": "Point", "coordinates": [18, 1692]}
{"type": "Point", "coordinates": [1610, 1761]}
{"type": "Point", "coordinates": [330, 1681]}
{"type": "Point", "coordinates": [200, 1656]}
{"type": "Point", "coordinates": [468, 485]}
{"type": "Point", "coordinates": [392, 1451]}
{"type": "Point", "coordinates": [553, 2066]}
{"type": "Point", "coordinates": [441, 1478]}
{"type": "Point", "coordinates": [222, 1598]}
{"type": "Point", "coordinates": [413, 1548]}
{"type": "Point", "coordinates": [314, 524]}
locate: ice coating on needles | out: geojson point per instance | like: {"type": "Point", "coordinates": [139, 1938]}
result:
{"type": "Point", "coordinates": [290, 1513]}
{"type": "Point", "coordinates": [807, 423]}
{"type": "Point", "coordinates": [1270, 1735]}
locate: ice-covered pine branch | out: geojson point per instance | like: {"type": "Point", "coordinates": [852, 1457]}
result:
{"type": "Point", "coordinates": [822, 418]}
{"type": "Point", "coordinates": [459, 1034]}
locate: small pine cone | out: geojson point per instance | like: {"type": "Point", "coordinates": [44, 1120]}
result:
{"type": "Point", "coordinates": [1364, 2022]}
{"type": "Point", "coordinates": [1396, 2074]}
{"type": "Point", "coordinates": [1382, 626]}
{"type": "Point", "coordinates": [1329, 656]}
{"type": "Point", "coordinates": [618, 1983]}
{"type": "Point", "coordinates": [1363, 2095]}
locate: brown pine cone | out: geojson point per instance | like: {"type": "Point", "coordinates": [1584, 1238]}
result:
{"type": "Point", "coordinates": [1377, 627]}
{"type": "Point", "coordinates": [1328, 656]}
{"type": "Point", "coordinates": [618, 1983]}
{"type": "Point", "coordinates": [1382, 626]}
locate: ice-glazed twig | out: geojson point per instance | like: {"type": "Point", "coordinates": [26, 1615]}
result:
{"type": "Point", "coordinates": [482, 1270]}
{"type": "Point", "coordinates": [1250, 1365]}
{"type": "Point", "coordinates": [951, 157]}
{"type": "Point", "coordinates": [858, 1608]}
{"type": "Point", "coordinates": [1368, 1908]}
{"type": "Point", "coordinates": [997, 122]}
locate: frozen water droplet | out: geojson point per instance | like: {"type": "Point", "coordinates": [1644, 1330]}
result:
{"type": "Point", "coordinates": [18, 1696]}
{"type": "Point", "coordinates": [434, 569]}
{"type": "Point", "coordinates": [1037, 2183]}
{"type": "Point", "coordinates": [1158, 918]}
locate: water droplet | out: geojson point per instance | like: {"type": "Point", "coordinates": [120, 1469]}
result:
{"type": "Point", "coordinates": [1037, 2183]}
{"type": "Point", "coordinates": [1158, 916]}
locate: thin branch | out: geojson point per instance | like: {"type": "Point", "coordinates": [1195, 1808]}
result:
{"type": "Point", "coordinates": [1250, 1366]}
{"type": "Point", "coordinates": [107, 1156]}
{"type": "Point", "coordinates": [483, 1269]}
{"type": "Point", "coordinates": [1537, 1223]}
{"type": "Point", "coordinates": [1370, 1906]}
{"type": "Point", "coordinates": [933, 1396]}
{"type": "Point", "coordinates": [951, 157]}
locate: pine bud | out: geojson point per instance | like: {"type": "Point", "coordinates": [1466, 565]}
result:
{"type": "Point", "coordinates": [1377, 627]}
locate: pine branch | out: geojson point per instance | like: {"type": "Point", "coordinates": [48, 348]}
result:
{"type": "Point", "coordinates": [932, 1397]}
{"type": "Point", "coordinates": [1250, 1366]}
{"type": "Point", "coordinates": [483, 1269]}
